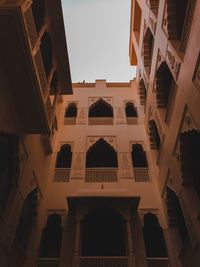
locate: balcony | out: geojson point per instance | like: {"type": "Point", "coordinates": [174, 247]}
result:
{"type": "Point", "coordinates": [141, 174]}
{"type": "Point", "coordinates": [96, 175]}
{"type": "Point", "coordinates": [157, 262]}
{"type": "Point", "coordinates": [48, 262]}
{"type": "Point", "coordinates": [69, 121]}
{"type": "Point", "coordinates": [103, 261]}
{"type": "Point", "coordinates": [23, 66]}
{"type": "Point", "coordinates": [100, 121]}
{"type": "Point", "coordinates": [62, 175]}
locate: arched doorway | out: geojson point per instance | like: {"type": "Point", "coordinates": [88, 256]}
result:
{"type": "Point", "coordinates": [101, 162]}
{"type": "Point", "coordinates": [190, 158]}
{"type": "Point", "coordinates": [153, 237]}
{"type": "Point", "coordinates": [103, 233]}
{"type": "Point", "coordinates": [51, 237]}
{"type": "Point", "coordinates": [101, 113]}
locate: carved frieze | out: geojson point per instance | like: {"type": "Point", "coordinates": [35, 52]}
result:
{"type": "Point", "coordinates": [173, 63]}
{"type": "Point", "coordinates": [78, 168]}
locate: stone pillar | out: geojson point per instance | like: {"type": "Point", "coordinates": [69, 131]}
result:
{"type": "Point", "coordinates": [131, 256]}
{"type": "Point", "coordinates": [77, 244]}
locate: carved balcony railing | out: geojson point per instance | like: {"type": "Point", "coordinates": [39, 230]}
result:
{"type": "Point", "coordinates": [132, 120]}
{"type": "Point", "coordinates": [101, 121]}
{"type": "Point", "coordinates": [157, 262]}
{"type": "Point", "coordinates": [70, 121]}
{"type": "Point", "coordinates": [48, 262]}
{"type": "Point", "coordinates": [101, 175]}
{"type": "Point", "coordinates": [141, 174]}
{"type": "Point", "coordinates": [103, 262]}
{"type": "Point", "coordinates": [62, 174]}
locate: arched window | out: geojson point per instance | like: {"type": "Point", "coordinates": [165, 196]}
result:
{"type": "Point", "coordinates": [51, 238]}
{"type": "Point", "coordinates": [131, 110]}
{"type": "Point", "coordinates": [176, 11]}
{"type": "Point", "coordinates": [103, 233]}
{"type": "Point", "coordinates": [7, 163]}
{"type": "Point", "coordinates": [154, 137]}
{"type": "Point", "coordinates": [38, 9]}
{"type": "Point", "coordinates": [139, 158]}
{"type": "Point", "coordinates": [71, 111]}
{"type": "Point", "coordinates": [142, 93]}
{"type": "Point", "coordinates": [164, 85]}
{"type": "Point", "coordinates": [64, 157]}
{"type": "Point", "coordinates": [101, 154]}
{"type": "Point", "coordinates": [190, 158]}
{"type": "Point", "coordinates": [26, 219]}
{"type": "Point", "coordinates": [46, 52]}
{"type": "Point", "coordinates": [101, 163]}
{"type": "Point", "coordinates": [101, 113]}
{"type": "Point", "coordinates": [153, 237]}
{"type": "Point", "coordinates": [148, 45]}
{"type": "Point", "coordinates": [175, 215]}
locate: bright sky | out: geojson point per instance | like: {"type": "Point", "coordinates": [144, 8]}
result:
{"type": "Point", "coordinates": [97, 33]}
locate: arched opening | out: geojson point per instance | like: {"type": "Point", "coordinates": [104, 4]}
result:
{"type": "Point", "coordinates": [154, 136]}
{"type": "Point", "coordinates": [153, 237]}
{"type": "Point", "coordinates": [71, 111]}
{"type": "Point", "coordinates": [175, 215]}
{"type": "Point", "coordinates": [26, 219]}
{"type": "Point", "coordinates": [103, 233]}
{"type": "Point", "coordinates": [131, 110]}
{"type": "Point", "coordinates": [154, 4]}
{"type": "Point", "coordinates": [139, 158]}
{"type": "Point", "coordinates": [38, 9]}
{"type": "Point", "coordinates": [101, 154]}
{"type": "Point", "coordinates": [101, 109]}
{"type": "Point", "coordinates": [51, 237]}
{"type": "Point", "coordinates": [142, 93]}
{"type": "Point", "coordinates": [46, 52]}
{"type": "Point", "coordinates": [148, 45]}
{"type": "Point", "coordinates": [64, 157]}
{"type": "Point", "coordinates": [177, 13]}
{"type": "Point", "coordinates": [164, 83]}
{"type": "Point", "coordinates": [6, 168]}
{"type": "Point", "coordinates": [190, 158]}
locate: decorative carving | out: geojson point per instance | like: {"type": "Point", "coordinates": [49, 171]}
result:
{"type": "Point", "coordinates": [77, 170]}
{"type": "Point", "coordinates": [173, 63]}
{"type": "Point", "coordinates": [120, 118]}
{"type": "Point", "coordinates": [81, 119]}
{"type": "Point", "coordinates": [109, 139]}
{"type": "Point", "coordinates": [125, 170]}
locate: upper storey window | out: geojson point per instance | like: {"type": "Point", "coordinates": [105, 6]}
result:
{"type": "Point", "coordinates": [147, 51]}
{"type": "Point", "coordinates": [101, 163]}
{"type": "Point", "coordinates": [101, 113]}
{"type": "Point", "coordinates": [178, 20]}
{"type": "Point", "coordinates": [131, 113]}
{"type": "Point", "coordinates": [71, 114]}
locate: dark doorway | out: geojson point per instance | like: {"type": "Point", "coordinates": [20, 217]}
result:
{"type": "Point", "coordinates": [101, 154]}
{"type": "Point", "coordinates": [51, 238]}
{"type": "Point", "coordinates": [153, 237]}
{"type": "Point", "coordinates": [103, 233]}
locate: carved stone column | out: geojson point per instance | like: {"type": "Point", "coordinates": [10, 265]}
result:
{"type": "Point", "coordinates": [77, 244]}
{"type": "Point", "coordinates": [131, 256]}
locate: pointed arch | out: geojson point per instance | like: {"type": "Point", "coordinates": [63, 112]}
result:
{"type": "Point", "coordinates": [153, 237]}
{"type": "Point", "coordinates": [139, 158]}
{"type": "Point", "coordinates": [51, 239]}
{"type": "Point", "coordinates": [131, 110]}
{"type": "Point", "coordinates": [101, 154]}
{"type": "Point", "coordinates": [155, 141]}
{"type": "Point", "coordinates": [71, 111]}
{"type": "Point", "coordinates": [190, 158]}
{"type": "Point", "coordinates": [101, 109]}
{"type": "Point", "coordinates": [148, 44]}
{"type": "Point", "coordinates": [64, 157]}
